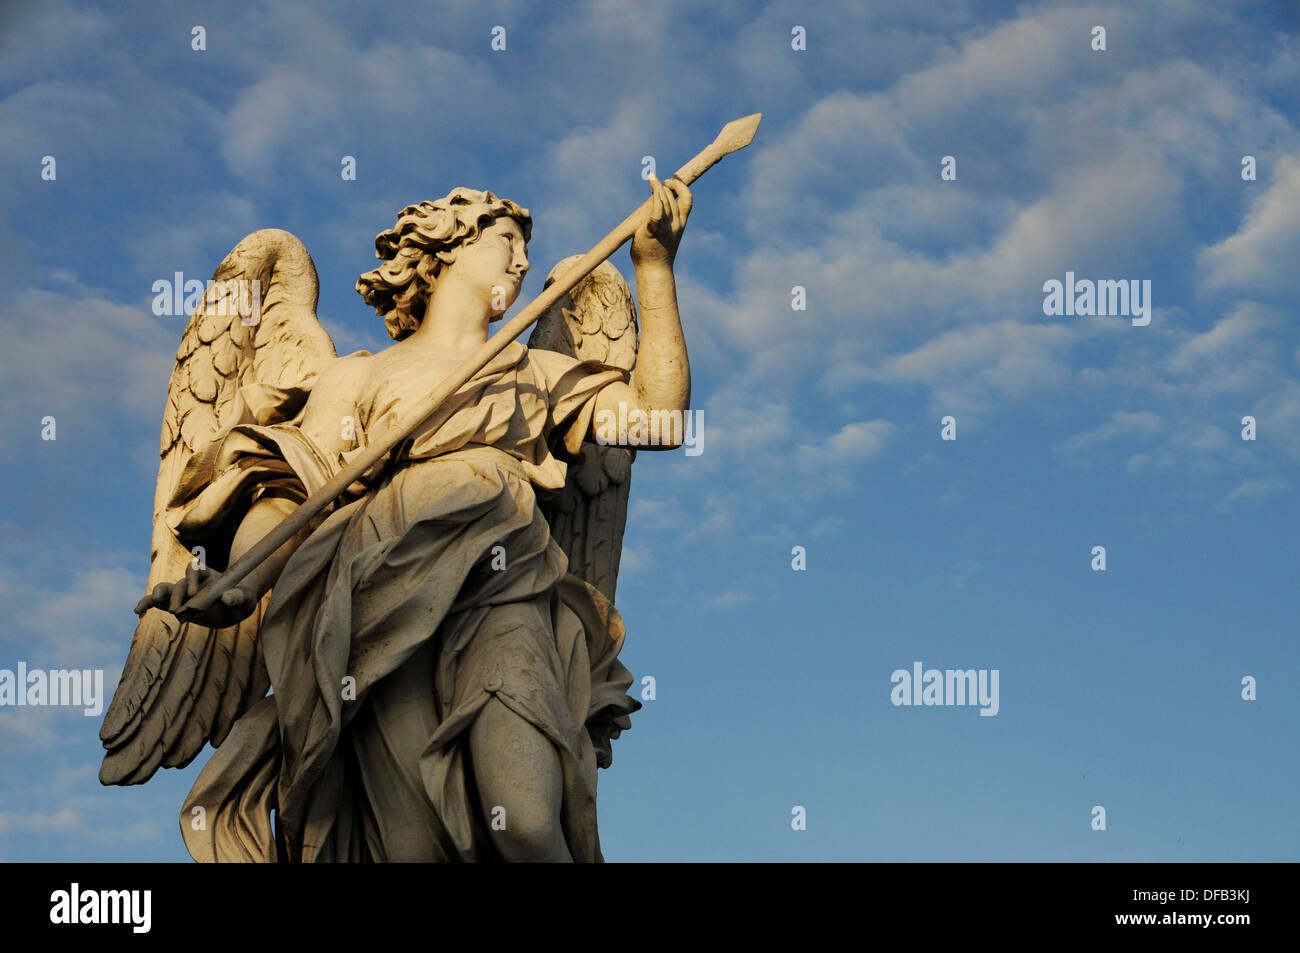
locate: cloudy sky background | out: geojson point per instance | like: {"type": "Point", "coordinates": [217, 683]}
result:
{"type": "Point", "coordinates": [822, 427]}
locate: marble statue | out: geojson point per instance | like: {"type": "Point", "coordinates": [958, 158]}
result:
{"type": "Point", "coordinates": [440, 641]}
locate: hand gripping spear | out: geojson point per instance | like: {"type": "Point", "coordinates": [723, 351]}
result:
{"type": "Point", "coordinates": [734, 136]}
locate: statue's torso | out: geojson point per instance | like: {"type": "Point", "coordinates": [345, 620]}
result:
{"type": "Point", "coordinates": [501, 414]}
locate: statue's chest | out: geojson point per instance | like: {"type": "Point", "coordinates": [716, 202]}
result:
{"type": "Point", "coordinates": [498, 407]}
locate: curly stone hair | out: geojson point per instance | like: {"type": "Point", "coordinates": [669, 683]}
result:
{"type": "Point", "coordinates": [422, 243]}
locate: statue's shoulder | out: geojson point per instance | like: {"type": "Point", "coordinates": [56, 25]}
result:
{"type": "Point", "coordinates": [547, 364]}
{"type": "Point", "coordinates": [344, 376]}
{"type": "Point", "coordinates": [358, 362]}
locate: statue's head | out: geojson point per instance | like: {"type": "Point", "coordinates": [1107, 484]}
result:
{"type": "Point", "coordinates": [431, 238]}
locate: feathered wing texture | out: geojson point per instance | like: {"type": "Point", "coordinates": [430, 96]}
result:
{"type": "Point", "coordinates": [250, 353]}
{"type": "Point", "coordinates": [596, 320]}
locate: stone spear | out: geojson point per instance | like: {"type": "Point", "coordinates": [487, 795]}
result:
{"type": "Point", "coordinates": [734, 136]}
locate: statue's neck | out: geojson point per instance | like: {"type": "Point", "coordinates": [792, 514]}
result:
{"type": "Point", "coordinates": [453, 323]}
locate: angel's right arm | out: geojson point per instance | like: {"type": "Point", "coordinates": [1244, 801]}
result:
{"type": "Point", "coordinates": [325, 422]}
{"type": "Point", "coordinates": [328, 418]}
{"type": "Point", "coordinates": [262, 517]}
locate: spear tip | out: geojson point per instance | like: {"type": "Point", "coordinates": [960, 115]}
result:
{"type": "Point", "coordinates": [738, 133]}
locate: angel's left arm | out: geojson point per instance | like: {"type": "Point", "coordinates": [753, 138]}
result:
{"type": "Point", "coordinates": [662, 382]}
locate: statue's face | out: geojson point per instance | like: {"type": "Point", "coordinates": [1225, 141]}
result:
{"type": "Point", "coordinates": [495, 264]}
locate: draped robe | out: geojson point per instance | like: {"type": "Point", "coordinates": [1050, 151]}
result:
{"type": "Point", "coordinates": [432, 587]}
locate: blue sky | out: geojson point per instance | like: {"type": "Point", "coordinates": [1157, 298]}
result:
{"type": "Point", "coordinates": [924, 299]}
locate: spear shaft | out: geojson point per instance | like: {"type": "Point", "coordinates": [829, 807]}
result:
{"type": "Point", "coordinates": [734, 136]}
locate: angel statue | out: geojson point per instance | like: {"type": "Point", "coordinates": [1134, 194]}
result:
{"type": "Point", "coordinates": [440, 643]}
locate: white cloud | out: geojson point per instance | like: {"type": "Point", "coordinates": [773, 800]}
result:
{"type": "Point", "coordinates": [87, 622]}
{"type": "Point", "coordinates": [57, 822]}
{"type": "Point", "coordinates": [1258, 260]}
{"type": "Point", "coordinates": [1143, 423]}
{"type": "Point", "coordinates": [1195, 448]}
{"type": "Point", "coordinates": [634, 559]}
{"type": "Point", "coordinates": [96, 366]}
{"type": "Point", "coordinates": [606, 160]}
{"type": "Point", "coordinates": [729, 598]}
{"type": "Point", "coordinates": [850, 444]}
{"type": "Point", "coordinates": [1255, 489]}
{"type": "Point", "coordinates": [972, 369]}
